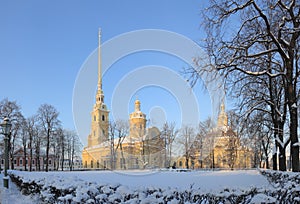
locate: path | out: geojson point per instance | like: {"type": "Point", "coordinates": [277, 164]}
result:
{"type": "Point", "coordinates": [13, 195]}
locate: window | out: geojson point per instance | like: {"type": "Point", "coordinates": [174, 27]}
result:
{"type": "Point", "coordinates": [21, 161]}
{"type": "Point", "coordinates": [95, 118]}
{"type": "Point", "coordinates": [98, 164]}
{"type": "Point", "coordinates": [2, 162]}
{"type": "Point", "coordinates": [33, 161]}
{"type": "Point", "coordinates": [85, 164]}
{"type": "Point", "coordinates": [15, 161]}
{"type": "Point", "coordinates": [92, 164]}
{"type": "Point", "coordinates": [50, 161]}
{"type": "Point", "coordinates": [103, 118]}
{"type": "Point", "coordinates": [180, 163]}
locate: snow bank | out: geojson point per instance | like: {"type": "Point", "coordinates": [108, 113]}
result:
{"type": "Point", "coordinates": [159, 187]}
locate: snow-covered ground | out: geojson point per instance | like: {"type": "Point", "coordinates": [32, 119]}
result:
{"type": "Point", "coordinates": [210, 181]}
{"type": "Point", "coordinates": [145, 187]}
{"type": "Point", "coordinates": [13, 195]}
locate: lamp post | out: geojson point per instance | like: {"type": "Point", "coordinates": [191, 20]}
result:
{"type": "Point", "coordinates": [6, 126]}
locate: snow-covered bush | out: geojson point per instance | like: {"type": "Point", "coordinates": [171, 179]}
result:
{"type": "Point", "coordinates": [284, 188]}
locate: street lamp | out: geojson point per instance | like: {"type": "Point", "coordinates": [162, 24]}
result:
{"type": "Point", "coordinates": [5, 126]}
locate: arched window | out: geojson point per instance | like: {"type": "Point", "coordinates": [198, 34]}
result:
{"type": "Point", "coordinates": [103, 118]}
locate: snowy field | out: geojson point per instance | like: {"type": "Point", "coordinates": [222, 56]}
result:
{"type": "Point", "coordinates": [147, 187]}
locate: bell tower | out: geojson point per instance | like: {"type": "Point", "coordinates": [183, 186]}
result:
{"type": "Point", "coordinates": [99, 127]}
{"type": "Point", "coordinates": [222, 118]}
{"type": "Point", "coordinates": [137, 121]}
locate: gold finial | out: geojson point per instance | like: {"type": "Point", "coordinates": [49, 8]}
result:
{"type": "Point", "coordinates": [137, 105]}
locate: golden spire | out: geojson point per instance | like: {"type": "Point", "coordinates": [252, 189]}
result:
{"type": "Point", "coordinates": [222, 108]}
{"type": "Point", "coordinates": [99, 62]}
{"type": "Point", "coordinates": [222, 119]}
{"type": "Point", "coordinates": [99, 95]}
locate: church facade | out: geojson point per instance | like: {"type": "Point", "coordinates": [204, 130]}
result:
{"type": "Point", "coordinates": [142, 148]}
{"type": "Point", "coordinates": [145, 148]}
{"type": "Point", "coordinates": [221, 148]}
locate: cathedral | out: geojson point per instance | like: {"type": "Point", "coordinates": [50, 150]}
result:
{"type": "Point", "coordinates": [228, 152]}
{"type": "Point", "coordinates": [145, 148]}
{"type": "Point", "coordinates": [142, 148]}
{"type": "Point", "coordinates": [221, 148]}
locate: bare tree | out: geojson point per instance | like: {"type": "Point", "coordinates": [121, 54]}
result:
{"type": "Point", "coordinates": [264, 94]}
{"type": "Point", "coordinates": [25, 140]}
{"type": "Point", "coordinates": [37, 146]}
{"type": "Point", "coordinates": [72, 147]}
{"type": "Point", "coordinates": [187, 137]}
{"type": "Point", "coordinates": [57, 144]}
{"type": "Point", "coordinates": [12, 110]}
{"type": "Point", "coordinates": [31, 129]}
{"type": "Point", "coordinates": [266, 28]}
{"type": "Point", "coordinates": [169, 133]}
{"type": "Point", "coordinates": [204, 142]}
{"type": "Point", "coordinates": [118, 130]}
{"type": "Point", "coordinates": [48, 118]}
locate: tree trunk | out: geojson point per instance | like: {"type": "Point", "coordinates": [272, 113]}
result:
{"type": "Point", "coordinates": [282, 154]}
{"type": "Point", "coordinates": [267, 163]}
{"type": "Point", "coordinates": [292, 104]}
{"type": "Point", "coordinates": [30, 144]}
{"type": "Point", "coordinates": [187, 162]}
{"type": "Point", "coordinates": [123, 159]}
{"type": "Point", "coordinates": [38, 159]}
{"type": "Point", "coordinates": [25, 157]}
{"type": "Point", "coordinates": [47, 149]}
{"type": "Point", "coordinates": [294, 138]}
{"type": "Point", "coordinates": [274, 159]}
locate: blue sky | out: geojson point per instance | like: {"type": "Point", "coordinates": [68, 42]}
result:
{"type": "Point", "coordinates": [44, 44]}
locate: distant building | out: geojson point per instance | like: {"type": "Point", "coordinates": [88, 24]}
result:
{"type": "Point", "coordinates": [39, 163]}
{"type": "Point", "coordinates": [20, 163]}
{"type": "Point", "coordinates": [221, 148]}
{"type": "Point", "coordinates": [77, 164]}
{"type": "Point", "coordinates": [142, 148]}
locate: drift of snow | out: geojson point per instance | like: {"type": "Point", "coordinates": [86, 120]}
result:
{"type": "Point", "coordinates": [12, 195]}
{"type": "Point", "coordinates": [248, 186]}
{"type": "Point", "coordinates": [209, 181]}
